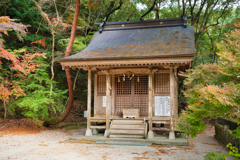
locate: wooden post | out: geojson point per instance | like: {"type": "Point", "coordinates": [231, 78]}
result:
{"type": "Point", "coordinates": [176, 95]}
{"type": "Point", "coordinates": [107, 105]}
{"type": "Point", "coordinates": [95, 130]}
{"type": "Point", "coordinates": [113, 95]}
{"type": "Point", "coordinates": [150, 102]}
{"type": "Point", "coordinates": [172, 103]}
{"type": "Point", "coordinates": [88, 131]}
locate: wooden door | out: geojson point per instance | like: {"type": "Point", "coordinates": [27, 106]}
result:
{"type": "Point", "coordinates": [132, 94]}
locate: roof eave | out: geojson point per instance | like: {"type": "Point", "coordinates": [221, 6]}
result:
{"type": "Point", "coordinates": [122, 58]}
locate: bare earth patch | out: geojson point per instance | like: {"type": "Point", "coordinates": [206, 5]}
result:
{"type": "Point", "coordinates": [53, 144]}
{"type": "Point", "coordinates": [20, 126]}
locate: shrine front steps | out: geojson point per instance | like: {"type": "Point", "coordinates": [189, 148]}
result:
{"type": "Point", "coordinates": [128, 128]}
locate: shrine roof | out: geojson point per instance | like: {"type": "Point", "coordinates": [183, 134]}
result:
{"type": "Point", "coordinates": [120, 41]}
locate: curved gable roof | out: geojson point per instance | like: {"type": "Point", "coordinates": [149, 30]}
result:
{"type": "Point", "coordinates": [173, 41]}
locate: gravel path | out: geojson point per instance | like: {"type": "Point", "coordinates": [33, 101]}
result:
{"type": "Point", "coordinates": [50, 145]}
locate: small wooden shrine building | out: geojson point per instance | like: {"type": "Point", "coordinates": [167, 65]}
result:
{"type": "Point", "coordinates": [135, 65]}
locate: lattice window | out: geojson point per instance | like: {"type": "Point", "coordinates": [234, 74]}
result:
{"type": "Point", "coordinates": [101, 84]}
{"type": "Point", "coordinates": [123, 87]}
{"type": "Point", "coordinates": [141, 85]}
{"type": "Point", "coordinates": [162, 83]}
{"type": "Point", "coordinates": [123, 103]}
{"type": "Point", "coordinates": [141, 102]}
{"type": "Point", "coordinates": [132, 94]}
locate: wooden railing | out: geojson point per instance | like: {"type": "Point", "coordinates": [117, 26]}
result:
{"type": "Point", "coordinates": [223, 127]}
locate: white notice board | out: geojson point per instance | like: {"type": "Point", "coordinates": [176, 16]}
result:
{"type": "Point", "coordinates": [85, 114]}
{"type": "Point", "coordinates": [162, 105]}
{"type": "Point", "coordinates": [104, 101]}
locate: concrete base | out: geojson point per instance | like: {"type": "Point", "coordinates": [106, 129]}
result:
{"type": "Point", "coordinates": [88, 132]}
{"type": "Point", "coordinates": [171, 135]}
{"type": "Point", "coordinates": [150, 134]}
{"type": "Point", "coordinates": [106, 133]}
{"type": "Point", "coordinates": [124, 143]}
{"type": "Point", "coordinates": [157, 140]}
{"type": "Point", "coordinates": [95, 131]}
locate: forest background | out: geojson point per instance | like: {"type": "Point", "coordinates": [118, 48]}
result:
{"type": "Point", "coordinates": [33, 33]}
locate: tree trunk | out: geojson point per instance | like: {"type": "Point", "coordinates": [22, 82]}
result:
{"type": "Point", "coordinates": [56, 120]}
{"type": "Point", "coordinates": [5, 110]}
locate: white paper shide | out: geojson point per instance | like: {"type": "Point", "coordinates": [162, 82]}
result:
{"type": "Point", "coordinates": [162, 105]}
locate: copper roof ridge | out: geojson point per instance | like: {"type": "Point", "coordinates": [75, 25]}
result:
{"type": "Point", "coordinates": [127, 25]}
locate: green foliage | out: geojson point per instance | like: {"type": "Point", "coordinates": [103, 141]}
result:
{"type": "Point", "coordinates": [78, 44]}
{"type": "Point", "coordinates": [236, 132]}
{"type": "Point", "coordinates": [233, 151]}
{"type": "Point", "coordinates": [24, 10]}
{"type": "Point", "coordinates": [215, 156]}
{"type": "Point", "coordinates": [37, 104]}
{"type": "Point", "coordinates": [214, 89]}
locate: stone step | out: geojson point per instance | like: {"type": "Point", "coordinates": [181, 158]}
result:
{"type": "Point", "coordinates": [124, 143]}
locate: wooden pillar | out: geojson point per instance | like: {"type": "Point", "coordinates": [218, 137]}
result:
{"type": "Point", "coordinates": [107, 105]}
{"type": "Point", "coordinates": [150, 102]}
{"type": "Point", "coordinates": [113, 95]}
{"type": "Point", "coordinates": [176, 95]}
{"type": "Point", "coordinates": [88, 131]}
{"type": "Point", "coordinates": [172, 103]}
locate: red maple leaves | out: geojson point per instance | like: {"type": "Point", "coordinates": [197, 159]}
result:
{"type": "Point", "coordinates": [10, 88]}
{"type": "Point", "coordinates": [41, 42]}
{"type": "Point", "coordinates": [15, 62]}
{"type": "Point", "coordinates": [24, 63]}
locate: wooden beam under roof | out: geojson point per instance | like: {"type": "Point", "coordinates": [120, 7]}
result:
{"type": "Point", "coordinates": [127, 62]}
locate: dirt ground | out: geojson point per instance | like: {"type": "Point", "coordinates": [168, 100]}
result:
{"type": "Point", "coordinates": [51, 144]}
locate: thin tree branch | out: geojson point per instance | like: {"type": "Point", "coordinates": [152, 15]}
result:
{"type": "Point", "coordinates": [52, 71]}
{"type": "Point", "coordinates": [54, 1]}
{"type": "Point", "coordinates": [154, 3]}
{"type": "Point", "coordinates": [211, 25]}
{"type": "Point", "coordinates": [111, 8]}
{"type": "Point", "coordinates": [45, 16]}
{"type": "Point", "coordinates": [170, 7]}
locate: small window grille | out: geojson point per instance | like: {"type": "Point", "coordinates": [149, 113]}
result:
{"type": "Point", "coordinates": [162, 83]}
{"type": "Point", "coordinates": [101, 84]}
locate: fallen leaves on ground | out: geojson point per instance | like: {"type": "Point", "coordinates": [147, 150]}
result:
{"type": "Point", "coordinates": [43, 145]}
{"type": "Point", "coordinates": [20, 126]}
{"type": "Point", "coordinates": [140, 158]}
{"type": "Point", "coordinates": [213, 144]}
{"type": "Point", "coordinates": [78, 141]}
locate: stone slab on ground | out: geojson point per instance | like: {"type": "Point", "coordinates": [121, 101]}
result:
{"type": "Point", "coordinates": [177, 141]}
{"type": "Point", "coordinates": [125, 143]}
{"type": "Point", "coordinates": [159, 140]}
